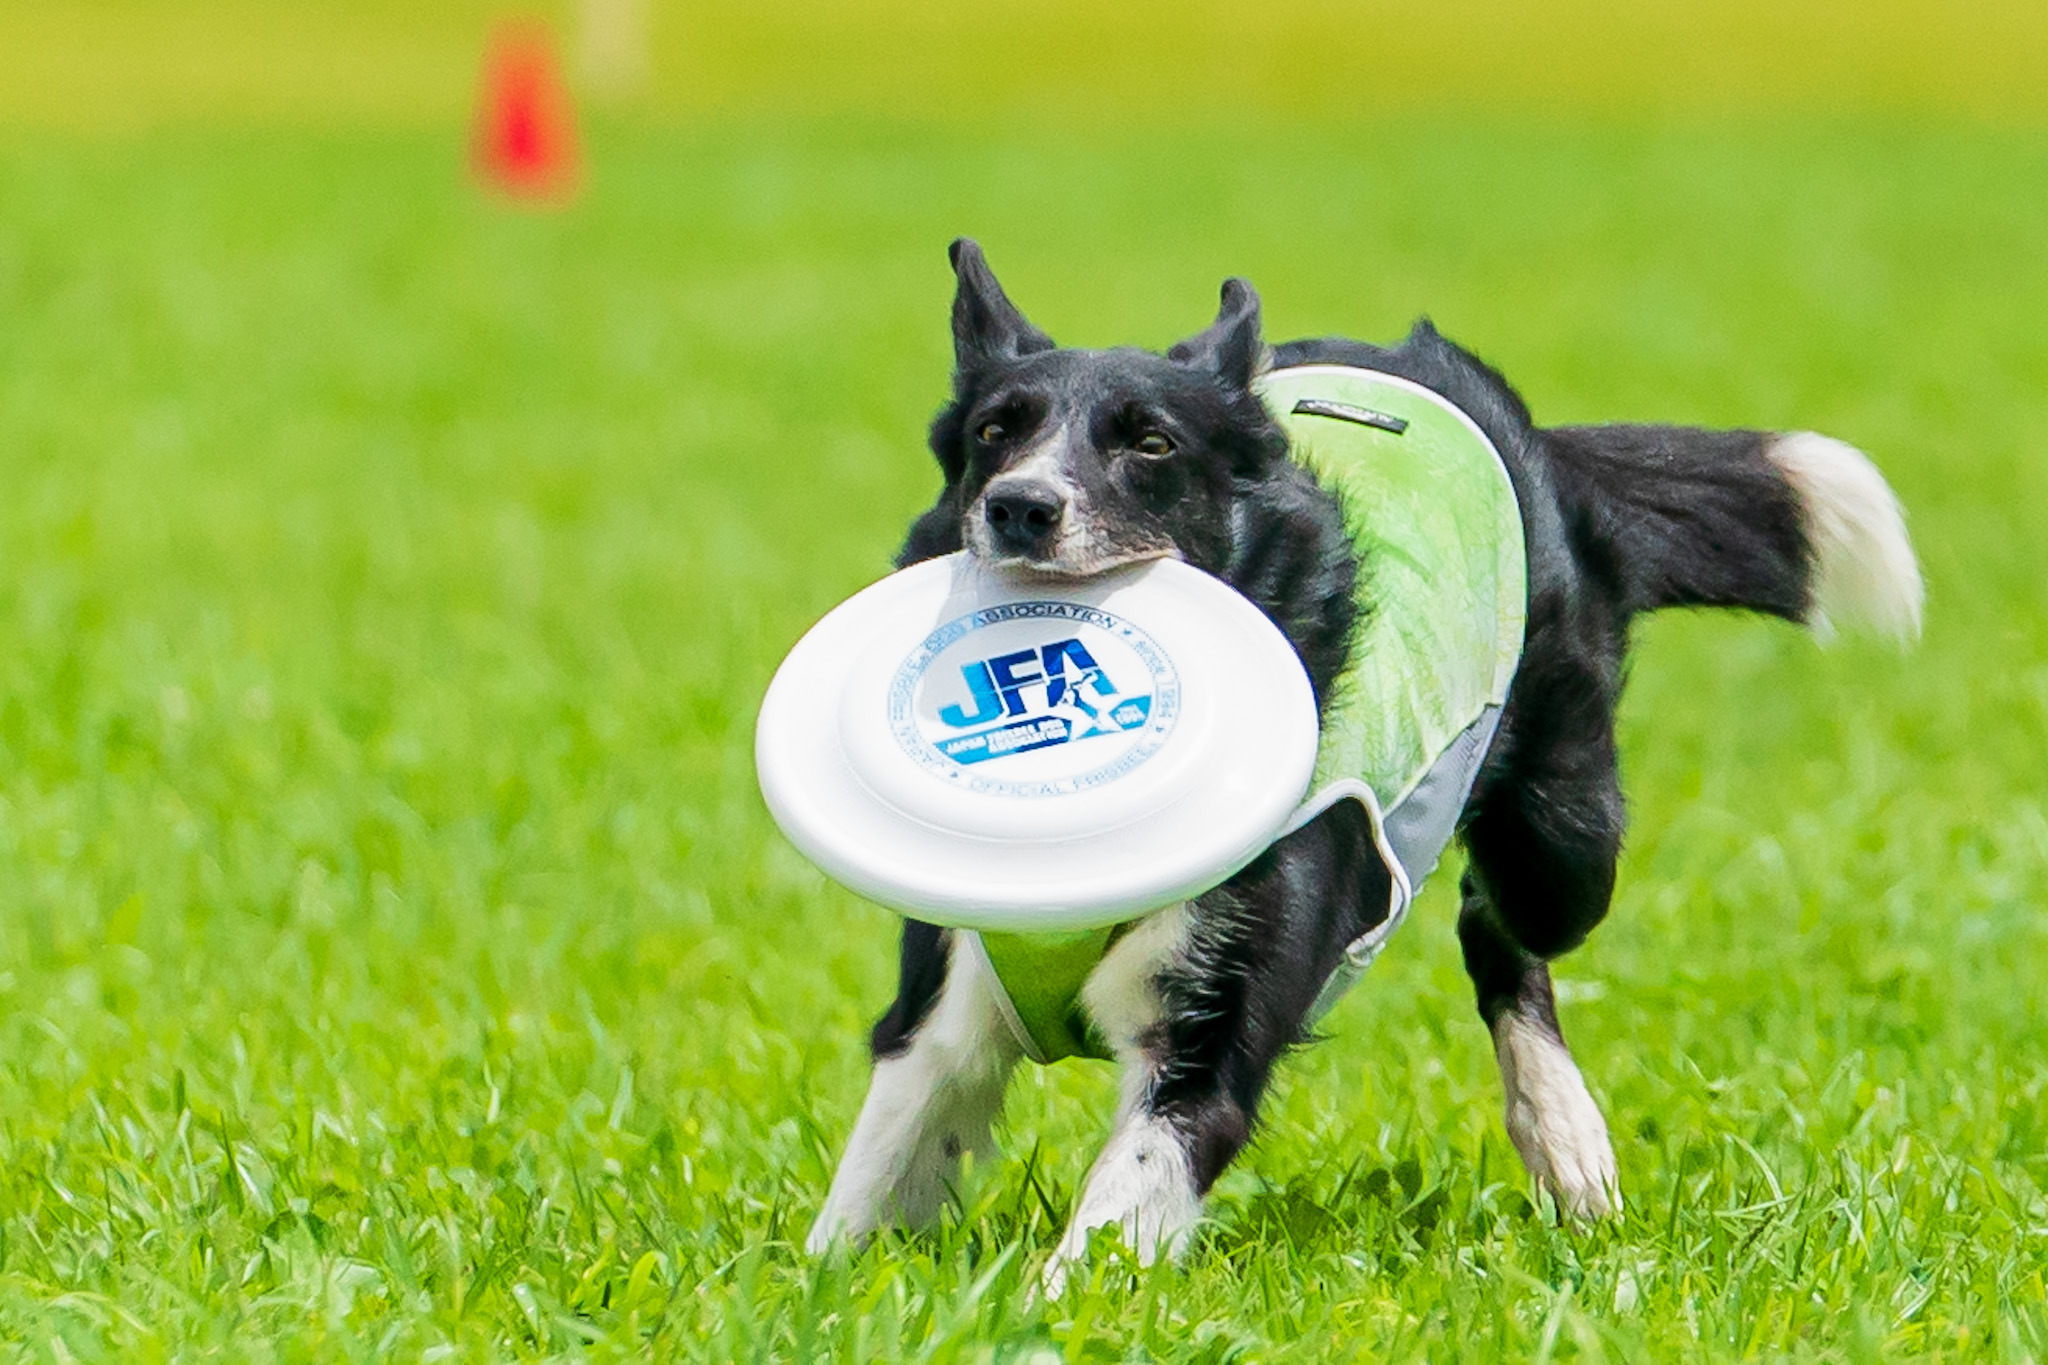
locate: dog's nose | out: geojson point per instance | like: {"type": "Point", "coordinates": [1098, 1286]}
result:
{"type": "Point", "coordinates": [1023, 515]}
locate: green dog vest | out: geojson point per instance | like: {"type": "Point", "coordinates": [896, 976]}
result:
{"type": "Point", "coordinates": [1444, 599]}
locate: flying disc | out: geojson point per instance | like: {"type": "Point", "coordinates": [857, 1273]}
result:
{"type": "Point", "coordinates": [988, 750]}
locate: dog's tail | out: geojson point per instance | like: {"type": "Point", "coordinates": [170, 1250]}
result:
{"type": "Point", "coordinates": [1791, 523]}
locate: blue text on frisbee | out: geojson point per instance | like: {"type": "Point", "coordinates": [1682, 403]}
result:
{"type": "Point", "coordinates": [997, 685]}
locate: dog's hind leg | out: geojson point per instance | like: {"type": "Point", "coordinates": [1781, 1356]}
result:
{"type": "Point", "coordinates": [1535, 888]}
{"type": "Point", "coordinates": [943, 1056]}
{"type": "Point", "coordinates": [1551, 1116]}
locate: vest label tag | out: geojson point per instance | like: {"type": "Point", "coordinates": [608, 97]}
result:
{"type": "Point", "coordinates": [1347, 412]}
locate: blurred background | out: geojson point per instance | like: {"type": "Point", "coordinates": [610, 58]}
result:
{"type": "Point", "coordinates": [132, 63]}
{"type": "Point", "coordinates": [423, 427]}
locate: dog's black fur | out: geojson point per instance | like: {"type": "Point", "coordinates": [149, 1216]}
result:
{"type": "Point", "coordinates": [1174, 454]}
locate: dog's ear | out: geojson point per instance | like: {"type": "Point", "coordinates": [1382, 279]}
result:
{"type": "Point", "coordinates": [1230, 346]}
{"type": "Point", "coordinates": [987, 328]}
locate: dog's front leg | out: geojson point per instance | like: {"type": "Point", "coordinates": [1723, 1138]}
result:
{"type": "Point", "coordinates": [1170, 999]}
{"type": "Point", "coordinates": [940, 1072]}
{"type": "Point", "coordinates": [1144, 1181]}
{"type": "Point", "coordinates": [1197, 1003]}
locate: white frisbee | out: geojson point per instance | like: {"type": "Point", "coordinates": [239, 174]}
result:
{"type": "Point", "coordinates": [992, 751]}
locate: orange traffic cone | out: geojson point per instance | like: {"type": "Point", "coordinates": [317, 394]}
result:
{"type": "Point", "coordinates": [525, 139]}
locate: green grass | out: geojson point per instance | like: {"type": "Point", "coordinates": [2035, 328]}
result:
{"type": "Point", "coordinates": [396, 960]}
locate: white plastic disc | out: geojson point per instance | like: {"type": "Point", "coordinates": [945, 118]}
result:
{"type": "Point", "coordinates": [992, 751]}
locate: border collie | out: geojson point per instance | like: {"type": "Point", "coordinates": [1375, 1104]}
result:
{"type": "Point", "coordinates": [1072, 462]}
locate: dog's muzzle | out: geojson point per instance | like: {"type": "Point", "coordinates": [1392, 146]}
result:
{"type": "Point", "coordinates": [1023, 516]}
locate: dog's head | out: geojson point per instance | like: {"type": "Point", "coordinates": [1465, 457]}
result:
{"type": "Point", "coordinates": [1072, 462]}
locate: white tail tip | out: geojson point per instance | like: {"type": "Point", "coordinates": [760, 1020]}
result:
{"type": "Point", "coordinates": [1864, 572]}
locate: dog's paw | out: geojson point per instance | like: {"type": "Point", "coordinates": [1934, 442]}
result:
{"type": "Point", "coordinates": [1052, 1281]}
{"type": "Point", "coordinates": [1071, 1257]}
{"type": "Point", "coordinates": [835, 1228]}
{"type": "Point", "coordinates": [823, 1237]}
{"type": "Point", "coordinates": [1573, 1160]}
{"type": "Point", "coordinates": [1142, 1186]}
{"type": "Point", "coordinates": [1554, 1123]}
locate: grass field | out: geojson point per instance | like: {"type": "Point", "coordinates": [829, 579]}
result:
{"type": "Point", "coordinates": [396, 960]}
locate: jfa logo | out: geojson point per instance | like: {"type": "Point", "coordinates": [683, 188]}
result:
{"type": "Point", "coordinates": [1052, 694]}
{"type": "Point", "coordinates": [1034, 677]}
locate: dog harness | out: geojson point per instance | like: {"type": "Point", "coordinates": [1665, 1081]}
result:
{"type": "Point", "coordinates": [1443, 594]}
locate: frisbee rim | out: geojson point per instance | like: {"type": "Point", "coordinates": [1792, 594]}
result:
{"type": "Point", "coordinates": [1205, 812]}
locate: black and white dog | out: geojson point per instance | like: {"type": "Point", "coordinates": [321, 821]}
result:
{"type": "Point", "coordinates": [1071, 462]}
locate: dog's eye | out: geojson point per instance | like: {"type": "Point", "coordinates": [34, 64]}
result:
{"type": "Point", "coordinates": [1152, 443]}
{"type": "Point", "coordinates": [990, 433]}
